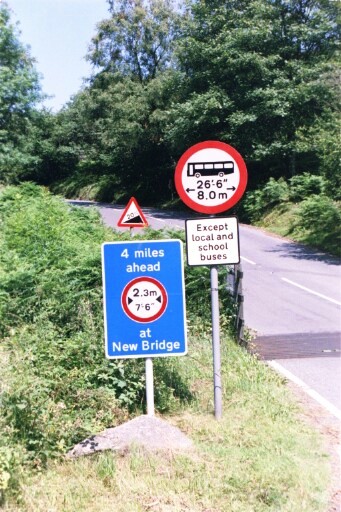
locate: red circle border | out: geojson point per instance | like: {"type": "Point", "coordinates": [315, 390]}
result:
{"type": "Point", "coordinates": [125, 293]}
{"type": "Point", "coordinates": [241, 186]}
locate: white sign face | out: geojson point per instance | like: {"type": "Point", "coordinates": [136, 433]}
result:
{"type": "Point", "coordinates": [211, 177]}
{"type": "Point", "coordinates": [212, 241]}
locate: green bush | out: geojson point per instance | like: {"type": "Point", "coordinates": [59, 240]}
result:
{"type": "Point", "coordinates": [319, 221]}
{"type": "Point", "coordinates": [305, 185]}
{"type": "Point", "coordinates": [315, 220]}
{"type": "Point", "coordinates": [59, 385]}
{"type": "Point", "coordinates": [260, 201]}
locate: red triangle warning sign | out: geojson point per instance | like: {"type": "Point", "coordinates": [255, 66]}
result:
{"type": "Point", "coordinates": [132, 217]}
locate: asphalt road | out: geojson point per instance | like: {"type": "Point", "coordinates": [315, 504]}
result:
{"type": "Point", "coordinates": [292, 304]}
{"type": "Point", "coordinates": [292, 301]}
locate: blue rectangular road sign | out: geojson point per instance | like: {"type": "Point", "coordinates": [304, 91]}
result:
{"type": "Point", "coordinates": [144, 299]}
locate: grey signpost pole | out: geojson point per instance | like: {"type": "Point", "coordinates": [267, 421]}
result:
{"type": "Point", "coordinates": [211, 177]}
{"type": "Point", "coordinates": [149, 386]}
{"type": "Point", "coordinates": [216, 344]}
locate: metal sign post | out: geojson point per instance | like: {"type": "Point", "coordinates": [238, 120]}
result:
{"type": "Point", "coordinates": [212, 241]}
{"type": "Point", "coordinates": [144, 302]}
{"type": "Point", "coordinates": [211, 177]}
{"type": "Point", "coordinates": [149, 386]}
{"type": "Point", "coordinates": [216, 344]}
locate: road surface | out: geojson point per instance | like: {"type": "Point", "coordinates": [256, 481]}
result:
{"type": "Point", "coordinates": [292, 301]}
{"type": "Point", "coordinates": [292, 304]}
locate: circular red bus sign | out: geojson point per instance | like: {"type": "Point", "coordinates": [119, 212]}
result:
{"type": "Point", "coordinates": [211, 177]}
{"type": "Point", "coordinates": [144, 299]}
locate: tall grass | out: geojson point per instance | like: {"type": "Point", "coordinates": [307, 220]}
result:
{"type": "Point", "coordinates": [59, 386]}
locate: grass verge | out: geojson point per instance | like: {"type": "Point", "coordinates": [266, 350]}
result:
{"type": "Point", "coordinates": [314, 222]}
{"type": "Point", "coordinates": [56, 388]}
{"type": "Point", "coordinates": [259, 457]}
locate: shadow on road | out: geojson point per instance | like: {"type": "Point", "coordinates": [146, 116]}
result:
{"type": "Point", "coordinates": [302, 252]}
{"type": "Point", "coordinates": [155, 212]}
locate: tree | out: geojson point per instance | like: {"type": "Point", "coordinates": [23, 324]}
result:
{"type": "Point", "coordinates": [114, 127]}
{"type": "Point", "coordinates": [19, 93]}
{"type": "Point", "coordinates": [136, 40]}
{"type": "Point", "coordinates": [256, 73]}
{"type": "Point", "coordinates": [114, 131]}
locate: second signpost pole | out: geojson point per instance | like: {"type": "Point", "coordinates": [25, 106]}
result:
{"type": "Point", "coordinates": [216, 344]}
{"type": "Point", "coordinates": [150, 386]}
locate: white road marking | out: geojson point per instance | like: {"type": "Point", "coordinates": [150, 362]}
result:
{"type": "Point", "coordinates": [155, 218]}
{"type": "Point", "coordinates": [311, 291]}
{"type": "Point", "coordinates": [248, 261]}
{"type": "Point", "coordinates": [311, 392]}
{"type": "Point", "coordinates": [163, 221]}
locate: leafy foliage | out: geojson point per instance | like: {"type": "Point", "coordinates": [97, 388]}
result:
{"type": "Point", "coordinates": [258, 74]}
{"type": "Point", "coordinates": [259, 201]}
{"type": "Point", "coordinates": [261, 75]}
{"type": "Point", "coordinates": [136, 40]}
{"type": "Point", "coordinates": [305, 185]}
{"type": "Point", "coordinates": [326, 135]}
{"type": "Point", "coordinates": [313, 217]}
{"type": "Point", "coordinates": [319, 218]}
{"type": "Point", "coordinates": [59, 386]}
{"type": "Point", "coordinates": [116, 129]}
{"type": "Point", "coordinates": [260, 68]}
{"type": "Point", "coordinates": [50, 303]}
{"type": "Point", "coordinates": [19, 92]}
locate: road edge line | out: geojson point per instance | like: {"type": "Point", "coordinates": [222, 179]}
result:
{"type": "Point", "coordinates": [311, 392]}
{"type": "Point", "coordinates": [248, 261]}
{"type": "Point", "coordinates": [334, 301]}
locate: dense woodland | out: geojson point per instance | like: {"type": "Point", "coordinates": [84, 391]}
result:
{"type": "Point", "coordinates": [261, 75]}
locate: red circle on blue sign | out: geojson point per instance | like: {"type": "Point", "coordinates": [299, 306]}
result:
{"type": "Point", "coordinates": [144, 299]}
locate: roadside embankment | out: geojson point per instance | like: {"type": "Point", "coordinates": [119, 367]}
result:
{"type": "Point", "coordinates": [57, 389]}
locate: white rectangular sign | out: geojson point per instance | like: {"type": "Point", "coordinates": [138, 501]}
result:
{"type": "Point", "coordinates": [212, 241]}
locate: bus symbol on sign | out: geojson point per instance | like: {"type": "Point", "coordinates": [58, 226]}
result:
{"type": "Point", "coordinates": [199, 169]}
